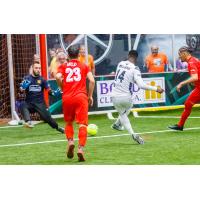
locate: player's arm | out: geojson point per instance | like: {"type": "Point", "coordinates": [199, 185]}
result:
{"type": "Point", "coordinates": [141, 84]}
{"type": "Point", "coordinates": [24, 84]}
{"type": "Point", "coordinates": [59, 79]}
{"type": "Point", "coordinates": [91, 87]}
{"type": "Point", "coordinates": [192, 79]}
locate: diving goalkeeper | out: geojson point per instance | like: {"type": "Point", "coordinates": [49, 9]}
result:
{"type": "Point", "coordinates": [34, 86]}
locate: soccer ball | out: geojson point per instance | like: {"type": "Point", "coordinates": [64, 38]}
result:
{"type": "Point", "coordinates": [92, 129]}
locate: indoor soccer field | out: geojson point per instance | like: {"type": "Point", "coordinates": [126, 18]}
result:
{"type": "Point", "coordinates": [44, 146]}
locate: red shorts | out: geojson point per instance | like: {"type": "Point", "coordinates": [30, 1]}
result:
{"type": "Point", "coordinates": [76, 108]}
{"type": "Point", "coordinates": [194, 96]}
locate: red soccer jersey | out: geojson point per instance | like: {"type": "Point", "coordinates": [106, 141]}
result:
{"type": "Point", "coordinates": [74, 74]}
{"type": "Point", "coordinates": [194, 68]}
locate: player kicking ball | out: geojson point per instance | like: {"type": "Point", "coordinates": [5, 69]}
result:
{"type": "Point", "coordinates": [128, 73]}
{"type": "Point", "coordinates": [194, 97]}
{"type": "Point", "coordinates": [71, 77]}
{"type": "Point", "coordinates": [34, 86]}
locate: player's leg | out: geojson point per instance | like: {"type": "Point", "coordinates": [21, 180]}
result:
{"type": "Point", "coordinates": [123, 105]}
{"type": "Point", "coordinates": [69, 132]}
{"type": "Point", "coordinates": [189, 103]}
{"type": "Point", "coordinates": [117, 125]}
{"type": "Point", "coordinates": [25, 109]}
{"type": "Point", "coordinates": [82, 120]}
{"type": "Point", "coordinates": [69, 115]}
{"type": "Point", "coordinates": [46, 116]}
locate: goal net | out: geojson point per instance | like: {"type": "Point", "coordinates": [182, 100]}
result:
{"type": "Point", "coordinates": [23, 50]}
{"type": "Point", "coordinates": [4, 79]}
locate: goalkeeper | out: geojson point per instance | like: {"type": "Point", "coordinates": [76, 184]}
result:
{"type": "Point", "coordinates": [34, 86]}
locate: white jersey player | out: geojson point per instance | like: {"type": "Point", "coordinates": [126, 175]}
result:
{"type": "Point", "coordinates": [127, 74]}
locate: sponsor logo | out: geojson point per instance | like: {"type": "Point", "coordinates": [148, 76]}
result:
{"type": "Point", "coordinates": [35, 88]}
{"type": "Point", "coordinates": [140, 96]}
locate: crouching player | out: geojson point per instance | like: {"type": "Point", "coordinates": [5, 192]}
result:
{"type": "Point", "coordinates": [71, 77]}
{"type": "Point", "coordinates": [34, 86]}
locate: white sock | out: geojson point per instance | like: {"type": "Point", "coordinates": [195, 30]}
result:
{"type": "Point", "coordinates": [118, 122]}
{"type": "Point", "coordinates": [126, 123]}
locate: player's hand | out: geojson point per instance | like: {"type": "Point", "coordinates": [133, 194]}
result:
{"type": "Point", "coordinates": [90, 101]}
{"type": "Point", "coordinates": [179, 86]}
{"type": "Point", "coordinates": [24, 84]}
{"type": "Point", "coordinates": [160, 90]}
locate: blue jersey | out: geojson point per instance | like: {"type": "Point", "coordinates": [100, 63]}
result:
{"type": "Point", "coordinates": [35, 91]}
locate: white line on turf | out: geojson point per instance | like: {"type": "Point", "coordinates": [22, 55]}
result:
{"type": "Point", "coordinates": [95, 137]}
{"type": "Point", "coordinates": [11, 126]}
{"type": "Point", "coordinates": [167, 117]}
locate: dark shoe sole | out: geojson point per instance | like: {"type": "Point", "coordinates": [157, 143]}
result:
{"type": "Point", "coordinates": [116, 129]}
{"type": "Point", "coordinates": [70, 152]}
{"type": "Point", "coordinates": [175, 129]}
{"type": "Point", "coordinates": [80, 157]}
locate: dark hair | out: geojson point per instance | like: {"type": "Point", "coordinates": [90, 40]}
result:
{"type": "Point", "coordinates": [73, 51]}
{"type": "Point", "coordinates": [133, 53]}
{"type": "Point", "coordinates": [185, 49]}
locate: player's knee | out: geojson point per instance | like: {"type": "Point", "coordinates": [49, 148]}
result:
{"type": "Point", "coordinates": [188, 105]}
{"type": "Point", "coordinates": [69, 123]}
{"type": "Point", "coordinates": [82, 125]}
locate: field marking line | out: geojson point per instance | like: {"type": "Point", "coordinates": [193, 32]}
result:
{"type": "Point", "coordinates": [18, 126]}
{"type": "Point", "coordinates": [94, 137]}
{"type": "Point", "coordinates": [167, 117]}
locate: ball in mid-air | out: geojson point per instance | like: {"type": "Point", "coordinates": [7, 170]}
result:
{"type": "Point", "coordinates": [92, 129]}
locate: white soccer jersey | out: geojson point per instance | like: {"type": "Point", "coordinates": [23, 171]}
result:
{"type": "Point", "coordinates": [126, 74]}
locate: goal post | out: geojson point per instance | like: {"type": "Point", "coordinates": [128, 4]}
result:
{"type": "Point", "coordinates": [14, 115]}
{"type": "Point", "coordinates": [43, 59]}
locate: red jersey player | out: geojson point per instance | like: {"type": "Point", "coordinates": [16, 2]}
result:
{"type": "Point", "coordinates": [194, 97]}
{"type": "Point", "coordinates": [72, 77]}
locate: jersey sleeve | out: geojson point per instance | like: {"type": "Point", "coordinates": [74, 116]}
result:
{"type": "Point", "coordinates": [193, 68]}
{"type": "Point", "coordinates": [139, 81]}
{"type": "Point", "coordinates": [136, 74]}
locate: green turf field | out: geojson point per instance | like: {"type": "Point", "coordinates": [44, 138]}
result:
{"type": "Point", "coordinates": [165, 147]}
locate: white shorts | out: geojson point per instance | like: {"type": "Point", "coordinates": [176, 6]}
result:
{"type": "Point", "coordinates": [123, 104]}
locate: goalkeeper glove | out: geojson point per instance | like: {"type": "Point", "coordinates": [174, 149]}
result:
{"type": "Point", "coordinates": [25, 84]}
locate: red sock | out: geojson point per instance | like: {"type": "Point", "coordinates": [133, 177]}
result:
{"type": "Point", "coordinates": [185, 115]}
{"type": "Point", "coordinates": [82, 135]}
{"type": "Point", "coordinates": [69, 131]}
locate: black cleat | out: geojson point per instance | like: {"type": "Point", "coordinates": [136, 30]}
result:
{"type": "Point", "coordinates": [176, 127]}
{"type": "Point", "coordinates": [61, 130]}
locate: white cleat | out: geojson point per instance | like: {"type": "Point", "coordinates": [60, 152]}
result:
{"type": "Point", "coordinates": [28, 124]}
{"type": "Point", "coordinates": [138, 139]}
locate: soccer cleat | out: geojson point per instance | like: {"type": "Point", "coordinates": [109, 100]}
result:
{"type": "Point", "coordinates": [176, 127]}
{"type": "Point", "coordinates": [80, 155]}
{"type": "Point", "coordinates": [70, 151]}
{"type": "Point", "coordinates": [117, 127]}
{"type": "Point", "coordinates": [138, 139]}
{"type": "Point", "coordinates": [61, 130]}
{"type": "Point", "coordinates": [28, 124]}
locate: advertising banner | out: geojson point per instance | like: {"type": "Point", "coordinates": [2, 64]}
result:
{"type": "Point", "coordinates": [141, 98]}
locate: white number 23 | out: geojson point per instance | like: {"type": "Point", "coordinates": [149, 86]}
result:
{"type": "Point", "coordinates": [73, 74]}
